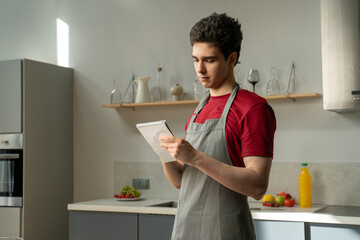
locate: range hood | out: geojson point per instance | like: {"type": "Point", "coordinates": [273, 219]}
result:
{"type": "Point", "coordinates": [340, 40]}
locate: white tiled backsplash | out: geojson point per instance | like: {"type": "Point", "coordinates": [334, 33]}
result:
{"type": "Point", "coordinates": [332, 183]}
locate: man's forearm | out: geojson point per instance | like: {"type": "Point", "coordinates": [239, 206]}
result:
{"type": "Point", "coordinates": [173, 171]}
{"type": "Point", "coordinates": [251, 181]}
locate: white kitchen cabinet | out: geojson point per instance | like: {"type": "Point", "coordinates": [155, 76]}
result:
{"type": "Point", "coordinates": [334, 232]}
{"type": "Point", "coordinates": [10, 96]}
{"type": "Point", "coordinates": [275, 230]}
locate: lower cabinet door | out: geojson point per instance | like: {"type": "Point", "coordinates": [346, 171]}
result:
{"type": "Point", "coordinates": [103, 225]}
{"type": "Point", "coordinates": [10, 220]}
{"type": "Point", "coordinates": [275, 230]}
{"type": "Point", "coordinates": [155, 227]}
{"type": "Point", "coordinates": [334, 232]}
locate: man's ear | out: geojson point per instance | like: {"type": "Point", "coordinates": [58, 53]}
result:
{"type": "Point", "coordinates": [232, 58]}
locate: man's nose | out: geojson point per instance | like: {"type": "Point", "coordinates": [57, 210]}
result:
{"type": "Point", "coordinates": [200, 67]}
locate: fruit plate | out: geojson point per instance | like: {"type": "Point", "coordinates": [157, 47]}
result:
{"type": "Point", "coordinates": [129, 199]}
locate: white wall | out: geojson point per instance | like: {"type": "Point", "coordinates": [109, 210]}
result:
{"type": "Point", "coordinates": [116, 38]}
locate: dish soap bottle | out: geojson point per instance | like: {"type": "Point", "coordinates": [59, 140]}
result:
{"type": "Point", "coordinates": [305, 195]}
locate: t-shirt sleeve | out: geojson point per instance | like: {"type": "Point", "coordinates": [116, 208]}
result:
{"type": "Point", "coordinates": [258, 129]}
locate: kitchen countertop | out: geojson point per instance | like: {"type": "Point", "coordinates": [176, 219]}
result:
{"type": "Point", "coordinates": [316, 214]}
{"type": "Point", "coordinates": [113, 205]}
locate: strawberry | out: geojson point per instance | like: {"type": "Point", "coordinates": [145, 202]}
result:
{"type": "Point", "coordinates": [288, 196]}
{"type": "Point", "coordinates": [270, 204]}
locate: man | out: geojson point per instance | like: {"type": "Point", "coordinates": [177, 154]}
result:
{"type": "Point", "coordinates": [228, 147]}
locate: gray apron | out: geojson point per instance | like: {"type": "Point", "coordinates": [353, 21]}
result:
{"type": "Point", "coordinates": [207, 210]}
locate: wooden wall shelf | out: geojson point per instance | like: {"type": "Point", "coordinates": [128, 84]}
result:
{"type": "Point", "coordinates": [293, 96]}
{"type": "Point", "coordinates": [151, 104]}
{"type": "Point", "coordinates": [194, 102]}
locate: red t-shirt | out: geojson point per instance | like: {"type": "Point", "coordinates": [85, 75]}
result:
{"type": "Point", "coordinates": [250, 125]}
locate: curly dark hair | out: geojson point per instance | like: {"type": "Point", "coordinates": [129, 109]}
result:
{"type": "Point", "coordinates": [221, 30]}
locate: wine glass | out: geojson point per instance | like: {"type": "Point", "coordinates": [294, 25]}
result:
{"type": "Point", "coordinates": [253, 77]}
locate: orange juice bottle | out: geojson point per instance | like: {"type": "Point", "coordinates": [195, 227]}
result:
{"type": "Point", "coordinates": [305, 196]}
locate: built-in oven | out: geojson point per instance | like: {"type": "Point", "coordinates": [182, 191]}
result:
{"type": "Point", "coordinates": [11, 170]}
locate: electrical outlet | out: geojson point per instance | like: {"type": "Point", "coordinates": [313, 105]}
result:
{"type": "Point", "coordinates": [145, 183]}
{"type": "Point", "coordinates": [136, 183]}
{"type": "Point", "coordinates": [141, 183]}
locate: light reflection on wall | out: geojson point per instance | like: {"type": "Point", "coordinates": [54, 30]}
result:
{"type": "Point", "coordinates": [62, 37]}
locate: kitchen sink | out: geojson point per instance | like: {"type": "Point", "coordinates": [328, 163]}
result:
{"type": "Point", "coordinates": [174, 204]}
{"type": "Point", "coordinates": [255, 209]}
{"type": "Point", "coordinates": [267, 209]}
{"type": "Point", "coordinates": [171, 204]}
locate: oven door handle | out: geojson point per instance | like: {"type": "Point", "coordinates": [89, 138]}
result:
{"type": "Point", "coordinates": [9, 156]}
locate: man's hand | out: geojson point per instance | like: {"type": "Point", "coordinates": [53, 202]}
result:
{"type": "Point", "coordinates": [180, 149]}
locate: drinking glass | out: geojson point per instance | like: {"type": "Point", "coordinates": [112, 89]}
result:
{"type": "Point", "coordinates": [253, 77]}
{"type": "Point", "coordinates": [115, 96]}
{"type": "Point", "coordinates": [273, 87]}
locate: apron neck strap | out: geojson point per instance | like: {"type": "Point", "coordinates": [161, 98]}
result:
{"type": "Point", "coordinates": [204, 101]}
{"type": "Point", "coordinates": [230, 101]}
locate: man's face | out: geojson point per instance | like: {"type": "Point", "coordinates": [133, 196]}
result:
{"type": "Point", "coordinates": [210, 65]}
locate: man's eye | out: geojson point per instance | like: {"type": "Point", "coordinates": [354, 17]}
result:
{"type": "Point", "coordinates": [210, 60]}
{"type": "Point", "coordinates": [196, 60]}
